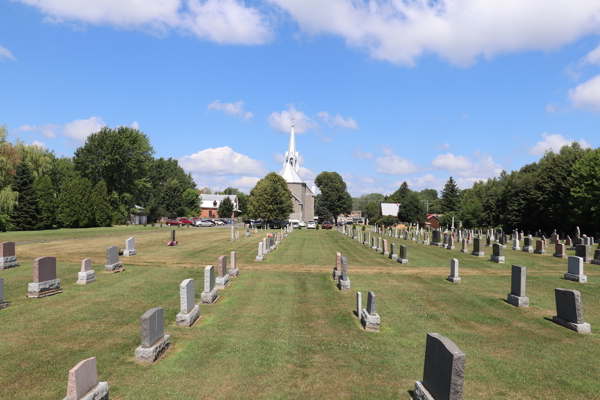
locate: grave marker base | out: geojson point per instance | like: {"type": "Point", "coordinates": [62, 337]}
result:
{"type": "Point", "coordinates": [209, 297]}
{"type": "Point", "coordinates": [386, 253]}
{"type": "Point", "coordinates": [114, 268]}
{"type": "Point", "coordinates": [44, 294]}
{"type": "Point", "coordinates": [421, 393]}
{"type": "Point", "coordinates": [394, 257]}
{"type": "Point", "coordinates": [234, 273]}
{"type": "Point", "coordinates": [453, 279]}
{"type": "Point", "coordinates": [498, 259]}
{"type": "Point", "coordinates": [559, 255]}
{"type": "Point", "coordinates": [516, 248]}
{"type": "Point", "coordinates": [464, 250]}
{"type": "Point", "coordinates": [450, 247]}
{"type": "Point", "coordinates": [128, 253]}
{"type": "Point", "coordinates": [43, 289]}
{"type": "Point", "coordinates": [575, 277]}
{"type": "Point", "coordinates": [222, 283]}
{"type": "Point", "coordinates": [528, 249]}
{"type": "Point", "coordinates": [402, 260]}
{"type": "Point", "coordinates": [595, 262]}
{"type": "Point", "coordinates": [540, 251]}
{"type": "Point", "coordinates": [344, 285]}
{"type": "Point", "coordinates": [259, 258]}
{"type": "Point", "coordinates": [83, 278]}
{"type": "Point", "coordinates": [3, 305]}
{"type": "Point", "coordinates": [99, 392]}
{"type": "Point", "coordinates": [478, 253]}
{"type": "Point", "coordinates": [580, 328]}
{"type": "Point", "coordinates": [9, 262]}
{"type": "Point", "coordinates": [518, 301]}
{"type": "Point", "coordinates": [153, 353]}
{"type": "Point", "coordinates": [369, 322]}
{"type": "Point", "coordinates": [189, 318]}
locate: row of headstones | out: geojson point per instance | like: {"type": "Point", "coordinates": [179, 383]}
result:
{"type": "Point", "coordinates": [271, 242]}
{"type": "Point", "coordinates": [381, 245]}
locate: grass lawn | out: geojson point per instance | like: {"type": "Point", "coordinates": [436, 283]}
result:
{"type": "Point", "coordinates": [282, 330]}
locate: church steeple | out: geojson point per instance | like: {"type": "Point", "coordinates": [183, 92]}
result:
{"type": "Point", "coordinates": [291, 156]}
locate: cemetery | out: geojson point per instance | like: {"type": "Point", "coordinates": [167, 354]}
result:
{"type": "Point", "coordinates": [283, 329]}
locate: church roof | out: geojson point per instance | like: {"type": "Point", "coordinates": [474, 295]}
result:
{"type": "Point", "coordinates": [289, 174]}
{"type": "Point", "coordinates": [291, 164]}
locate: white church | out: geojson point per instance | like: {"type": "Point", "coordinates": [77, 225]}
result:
{"type": "Point", "coordinates": [302, 197]}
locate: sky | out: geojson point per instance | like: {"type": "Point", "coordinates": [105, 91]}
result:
{"type": "Point", "coordinates": [381, 91]}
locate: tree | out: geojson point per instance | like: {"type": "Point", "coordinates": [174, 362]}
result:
{"type": "Point", "coordinates": [399, 195]}
{"type": "Point", "coordinates": [229, 190]}
{"type": "Point", "coordinates": [428, 194]}
{"type": "Point", "coordinates": [446, 220]}
{"type": "Point", "coordinates": [162, 171]}
{"type": "Point", "coordinates": [359, 203]}
{"type": "Point", "coordinates": [389, 220]}
{"type": "Point", "coordinates": [226, 208]}
{"type": "Point", "coordinates": [450, 196]}
{"type": "Point", "coordinates": [172, 199]}
{"type": "Point", "coordinates": [26, 213]}
{"type": "Point", "coordinates": [585, 190]}
{"type": "Point", "coordinates": [100, 202]}
{"type": "Point", "coordinates": [270, 199]}
{"type": "Point", "coordinates": [207, 190]}
{"type": "Point", "coordinates": [412, 209]}
{"type": "Point", "coordinates": [74, 209]}
{"type": "Point", "coordinates": [321, 210]}
{"type": "Point", "coordinates": [242, 202]}
{"type": "Point", "coordinates": [335, 193]}
{"type": "Point", "coordinates": [47, 198]}
{"type": "Point", "coordinates": [372, 211]}
{"type": "Point", "coordinates": [191, 202]}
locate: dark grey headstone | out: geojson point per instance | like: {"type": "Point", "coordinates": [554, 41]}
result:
{"type": "Point", "coordinates": [173, 235]}
{"type": "Point", "coordinates": [403, 252]}
{"type": "Point", "coordinates": [582, 250]}
{"type": "Point", "coordinates": [1, 290]}
{"type": "Point", "coordinates": [498, 250]}
{"type": "Point", "coordinates": [112, 255]}
{"type": "Point", "coordinates": [518, 281]}
{"type": "Point", "coordinates": [394, 248]}
{"type": "Point", "coordinates": [444, 372]}
{"type": "Point", "coordinates": [344, 268]}
{"type": "Point", "coordinates": [152, 326]}
{"type": "Point", "coordinates": [568, 305]}
{"type": "Point", "coordinates": [371, 304]}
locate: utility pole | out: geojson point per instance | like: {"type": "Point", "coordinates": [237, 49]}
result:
{"type": "Point", "coordinates": [426, 204]}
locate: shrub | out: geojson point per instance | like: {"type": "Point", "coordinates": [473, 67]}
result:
{"type": "Point", "coordinates": [318, 227]}
{"type": "Point", "coordinates": [153, 224]}
{"type": "Point", "coordinates": [161, 224]}
{"type": "Point", "coordinates": [363, 228]}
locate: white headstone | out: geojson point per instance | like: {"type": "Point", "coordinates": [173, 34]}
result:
{"type": "Point", "coordinates": [187, 295]}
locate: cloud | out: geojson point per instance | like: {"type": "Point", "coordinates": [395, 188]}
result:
{"type": "Point", "coordinates": [444, 146]}
{"type": "Point", "coordinates": [393, 164]}
{"type": "Point", "coordinates": [363, 184]}
{"type": "Point", "coordinates": [282, 121]}
{"type": "Point", "coordinates": [586, 96]}
{"type": "Point", "coordinates": [232, 109]}
{"type": "Point", "coordinates": [48, 130]}
{"type": "Point", "coordinates": [245, 182]}
{"type": "Point", "coordinates": [424, 182]}
{"type": "Point", "coordinates": [135, 125]}
{"type": "Point", "coordinates": [553, 142]}
{"type": "Point", "coordinates": [6, 53]}
{"type": "Point", "coordinates": [338, 120]}
{"type": "Point", "coordinates": [38, 144]}
{"type": "Point", "coordinates": [593, 57]}
{"type": "Point", "coordinates": [306, 174]}
{"type": "Point", "coordinates": [358, 153]}
{"type": "Point", "coordinates": [551, 108]}
{"type": "Point", "coordinates": [450, 162]}
{"type": "Point", "coordinates": [481, 167]}
{"type": "Point", "coordinates": [458, 31]}
{"type": "Point", "coordinates": [222, 161]}
{"type": "Point", "coordinates": [220, 21]}
{"type": "Point", "coordinates": [80, 129]}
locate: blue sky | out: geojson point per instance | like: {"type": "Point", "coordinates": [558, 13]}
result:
{"type": "Point", "coordinates": [381, 92]}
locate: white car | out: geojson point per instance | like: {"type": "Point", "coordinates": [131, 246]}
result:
{"type": "Point", "coordinates": [311, 225]}
{"type": "Point", "coordinates": [302, 224]}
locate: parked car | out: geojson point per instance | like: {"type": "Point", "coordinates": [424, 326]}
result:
{"type": "Point", "coordinates": [294, 224]}
{"type": "Point", "coordinates": [327, 225]}
{"type": "Point", "coordinates": [172, 222]}
{"type": "Point", "coordinates": [204, 223]}
{"type": "Point", "coordinates": [275, 224]}
{"type": "Point", "coordinates": [218, 222]}
{"type": "Point", "coordinates": [185, 221]}
{"type": "Point", "coordinates": [254, 223]}
{"type": "Point", "coordinates": [311, 225]}
{"type": "Point", "coordinates": [302, 224]}
{"type": "Point", "coordinates": [349, 222]}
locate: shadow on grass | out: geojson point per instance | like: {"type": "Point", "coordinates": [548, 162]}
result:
{"type": "Point", "coordinates": [411, 393]}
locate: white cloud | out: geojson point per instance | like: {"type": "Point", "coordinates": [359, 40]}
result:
{"type": "Point", "coordinates": [551, 108]}
{"type": "Point", "coordinates": [306, 174]}
{"type": "Point", "coordinates": [349, 123]}
{"type": "Point", "coordinates": [135, 125]}
{"type": "Point", "coordinates": [38, 144]}
{"type": "Point", "coordinates": [553, 142]}
{"type": "Point", "coordinates": [393, 164]}
{"type": "Point", "coordinates": [222, 161]}
{"type": "Point", "coordinates": [324, 115]}
{"type": "Point", "coordinates": [444, 146]}
{"type": "Point", "coordinates": [593, 57]}
{"type": "Point", "coordinates": [424, 182]}
{"type": "Point", "coordinates": [458, 31]}
{"type": "Point", "coordinates": [586, 96]}
{"type": "Point", "coordinates": [6, 53]}
{"type": "Point", "coordinates": [221, 21]}
{"type": "Point", "coordinates": [245, 182]}
{"type": "Point", "coordinates": [358, 153]}
{"type": "Point", "coordinates": [450, 162]}
{"type": "Point", "coordinates": [232, 109]}
{"type": "Point", "coordinates": [283, 120]}
{"type": "Point", "coordinates": [363, 184]}
{"type": "Point", "coordinates": [48, 130]}
{"type": "Point", "coordinates": [80, 129]}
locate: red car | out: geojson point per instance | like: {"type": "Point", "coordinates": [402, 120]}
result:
{"type": "Point", "coordinates": [327, 225]}
{"type": "Point", "coordinates": [185, 221]}
{"type": "Point", "coordinates": [172, 223]}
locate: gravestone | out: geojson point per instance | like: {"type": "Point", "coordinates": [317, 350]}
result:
{"type": "Point", "coordinates": [583, 251]}
{"type": "Point", "coordinates": [337, 270]}
{"type": "Point", "coordinates": [403, 257]}
{"type": "Point", "coordinates": [554, 237]}
{"type": "Point", "coordinates": [83, 382]}
{"type": "Point", "coordinates": [450, 244]}
{"type": "Point", "coordinates": [393, 254]}
{"type": "Point", "coordinates": [569, 243]}
{"type": "Point", "coordinates": [113, 263]}
{"type": "Point", "coordinates": [44, 282]}
{"type": "Point", "coordinates": [498, 253]}
{"type": "Point", "coordinates": [426, 238]}
{"type": "Point", "coordinates": [464, 246]}
{"type": "Point", "coordinates": [569, 310]}
{"type": "Point", "coordinates": [266, 249]}
{"type": "Point", "coordinates": [379, 245]}
{"type": "Point", "coordinates": [453, 277]}
{"type": "Point", "coordinates": [358, 303]}
{"type": "Point", "coordinates": [517, 296]}
{"type": "Point", "coordinates": [129, 247]}
{"type": "Point", "coordinates": [470, 237]}
{"type": "Point", "coordinates": [478, 248]}
{"type": "Point", "coordinates": [189, 311]}
{"type": "Point", "coordinates": [369, 318]}
{"type": "Point", "coordinates": [575, 270]}
{"type": "Point", "coordinates": [503, 240]}
{"type": "Point", "coordinates": [444, 372]}
{"type": "Point", "coordinates": [386, 251]}
{"type": "Point", "coordinates": [3, 304]}
{"type": "Point", "coordinates": [209, 295]}
{"type": "Point", "coordinates": [344, 283]}
{"type": "Point", "coordinates": [528, 244]}
{"type": "Point", "coordinates": [223, 280]}
{"type": "Point", "coordinates": [86, 273]}
{"type": "Point", "coordinates": [489, 241]}
{"type": "Point", "coordinates": [559, 250]}
{"type": "Point", "coordinates": [173, 236]}
{"type": "Point", "coordinates": [233, 236]}
{"type": "Point", "coordinates": [596, 259]}
{"type": "Point", "coordinates": [259, 256]}
{"type": "Point", "coordinates": [8, 257]}
{"type": "Point", "coordinates": [373, 243]}
{"type": "Point", "coordinates": [516, 242]}
{"type": "Point", "coordinates": [234, 271]}
{"type": "Point", "coordinates": [152, 332]}
{"type": "Point", "coordinates": [540, 248]}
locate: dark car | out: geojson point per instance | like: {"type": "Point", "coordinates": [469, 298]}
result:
{"type": "Point", "coordinates": [172, 222]}
{"type": "Point", "coordinates": [274, 224]}
{"type": "Point", "coordinates": [327, 225]}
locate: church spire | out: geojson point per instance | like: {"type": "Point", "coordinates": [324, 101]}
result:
{"type": "Point", "coordinates": [291, 156]}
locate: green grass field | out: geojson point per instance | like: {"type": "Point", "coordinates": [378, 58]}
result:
{"type": "Point", "coordinates": [282, 330]}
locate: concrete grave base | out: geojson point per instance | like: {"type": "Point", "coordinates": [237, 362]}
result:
{"type": "Point", "coordinates": [277, 243]}
{"type": "Point", "coordinates": [285, 235]}
{"type": "Point", "coordinates": [580, 328]}
{"type": "Point", "coordinates": [503, 246]}
{"type": "Point", "coordinates": [9, 262]}
{"type": "Point", "coordinates": [464, 250]}
{"type": "Point", "coordinates": [518, 301]}
{"type": "Point", "coordinates": [43, 289]}
{"type": "Point", "coordinates": [374, 248]}
{"type": "Point", "coordinates": [425, 242]}
{"type": "Point", "coordinates": [234, 273]}
{"type": "Point", "coordinates": [379, 250]}
{"type": "Point", "coordinates": [222, 283]}
{"type": "Point", "coordinates": [3, 305]}
{"type": "Point", "coordinates": [394, 257]}
{"type": "Point", "coordinates": [114, 268]}
{"type": "Point", "coordinates": [498, 259]}
{"type": "Point", "coordinates": [153, 353]}
{"type": "Point", "coordinates": [344, 285]}
{"type": "Point", "coordinates": [83, 278]}
{"type": "Point", "coordinates": [478, 254]}
{"type": "Point", "coordinates": [559, 255]}
{"type": "Point", "coordinates": [129, 253]}
{"type": "Point", "coordinates": [99, 392]}
{"type": "Point", "coordinates": [575, 277]}
{"type": "Point", "coordinates": [259, 258]}
{"type": "Point", "coordinates": [516, 248]}
{"type": "Point", "coordinates": [189, 318]}
{"type": "Point", "coordinates": [421, 393]}
{"type": "Point", "coordinates": [453, 279]}
{"type": "Point", "coordinates": [402, 260]}
{"type": "Point", "coordinates": [540, 251]}
{"type": "Point", "coordinates": [369, 322]}
{"type": "Point", "coordinates": [386, 253]}
{"type": "Point", "coordinates": [450, 247]}
{"type": "Point", "coordinates": [595, 262]}
{"type": "Point", "coordinates": [528, 249]}
{"type": "Point", "coordinates": [209, 297]}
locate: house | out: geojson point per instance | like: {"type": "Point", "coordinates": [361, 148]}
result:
{"type": "Point", "coordinates": [389, 209]}
{"type": "Point", "coordinates": [139, 218]}
{"type": "Point", "coordinates": [433, 220]}
{"type": "Point", "coordinates": [211, 202]}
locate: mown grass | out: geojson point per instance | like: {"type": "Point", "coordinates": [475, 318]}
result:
{"type": "Point", "coordinates": [282, 330]}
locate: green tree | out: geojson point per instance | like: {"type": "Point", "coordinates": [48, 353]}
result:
{"type": "Point", "coordinates": [162, 171]}
{"type": "Point", "coordinates": [321, 210]}
{"type": "Point", "coordinates": [585, 190]}
{"type": "Point", "coordinates": [335, 193]}
{"type": "Point", "coordinates": [229, 191]}
{"type": "Point", "coordinates": [242, 202]}
{"type": "Point", "coordinates": [26, 212]}
{"type": "Point", "coordinates": [172, 199]}
{"type": "Point", "coordinates": [372, 211]}
{"type": "Point", "coordinates": [74, 209]}
{"type": "Point", "coordinates": [191, 202]}
{"type": "Point", "coordinates": [412, 209]}
{"type": "Point", "coordinates": [446, 219]}
{"type": "Point", "coordinates": [103, 215]}
{"type": "Point", "coordinates": [47, 198]}
{"type": "Point", "coordinates": [360, 203]}
{"type": "Point", "coordinates": [399, 195]}
{"type": "Point", "coordinates": [270, 199]}
{"type": "Point", "coordinates": [226, 208]}
{"type": "Point", "coordinates": [428, 194]}
{"type": "Point", "coordinates": [389, 220]}
{"type": "Point", "coordinates": [450, 196]}
{"type": "Point", "coordinates": [62, 169]}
